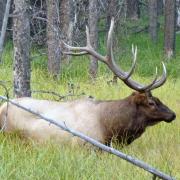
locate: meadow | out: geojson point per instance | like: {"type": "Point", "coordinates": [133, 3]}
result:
{"type": "Point", "coordinates": [159, 145]}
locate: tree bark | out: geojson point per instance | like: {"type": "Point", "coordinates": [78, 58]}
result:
{"type": "Point", "coordinates": [111, 12]}
{"type": "Point", "coordinates": [21, 40]}
{"type": "Point", "coordinates": [153, 28]}
{"type": "Point", "coordinates": [80, 20]}
{"type": "Point", "coordinates": [178, 15]}
{"type": "Point", "coordinates": [4, 26]}
{"type": "Point", "coordinates": [93, 31]}
{"type": "Point", "coordinates": [169, 29]}
{"type": "Point", "coordinates": [53, 37]}
{"type": "Point", "coordinates": [160, 7]}
{"type": "Point", "coordinates": [2, 10]}
{"type": "Point", "coordinates": [66, 23]}
{"type": "Point", "coordinates": [132, 9]}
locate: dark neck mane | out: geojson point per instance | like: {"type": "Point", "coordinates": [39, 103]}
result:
{"type": "Point", "coordinates": [119, 122]}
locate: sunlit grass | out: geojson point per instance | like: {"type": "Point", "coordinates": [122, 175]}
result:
{"type": "Point", "coordinates": [158, 146]}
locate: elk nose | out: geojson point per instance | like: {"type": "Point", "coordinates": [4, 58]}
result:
{"type": "Point", "coordinates": [173, 116]}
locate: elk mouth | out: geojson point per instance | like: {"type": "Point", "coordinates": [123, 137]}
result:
{"type": "Point", "coordinates": [167, 119]}
{"type": "Point", "coordinates": [170, 118]}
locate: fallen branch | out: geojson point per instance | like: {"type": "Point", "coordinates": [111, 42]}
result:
{"type": "Point", "coordinates": [56, 94]}
{"type": "Point", "coordinates": [49, 92]}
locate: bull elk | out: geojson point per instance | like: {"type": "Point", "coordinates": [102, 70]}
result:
{"type": "Point", "coordinates": [125, 119]}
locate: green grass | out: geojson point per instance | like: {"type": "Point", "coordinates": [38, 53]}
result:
{"type": "Point", "coordinates": [159, 145]}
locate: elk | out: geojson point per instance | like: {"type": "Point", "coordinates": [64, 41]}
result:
{"type": "Point", "coordinates": [124, 119]}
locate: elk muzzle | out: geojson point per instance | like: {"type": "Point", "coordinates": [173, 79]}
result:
{"type": "Point", "coordinates": [170, 117]}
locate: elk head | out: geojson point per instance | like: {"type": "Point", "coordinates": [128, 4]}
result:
{"type": "Point", "coordinates": [152, 108]}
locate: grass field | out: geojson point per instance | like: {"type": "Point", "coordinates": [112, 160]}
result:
{"type": "Point", "coordinates": [159, 145]}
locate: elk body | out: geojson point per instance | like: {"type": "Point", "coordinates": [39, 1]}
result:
{"type": "Point", "coordinates": [124, 119]}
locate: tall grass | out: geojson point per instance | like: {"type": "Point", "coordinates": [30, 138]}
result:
{"type": "Point", "coordinates": [158, 146]}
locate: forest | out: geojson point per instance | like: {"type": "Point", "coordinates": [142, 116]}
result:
{"type": "Point", "coordinates": [108, 69]}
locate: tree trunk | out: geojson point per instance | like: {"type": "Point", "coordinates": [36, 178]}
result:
{"type": "Point", "coordinates": [66, 23]}
{"type": "Point", "coordinates": [160, 7]}
{"type": "Point", "coordinates": [21, 40]}
{"type": "Point", "coordinates": [93, 20]}
{"type": "Point", "coordinates": [132, 9]}
{"type": "Point", "coordinates": [178, 15]}
{"type": "Point", "coordinates": [71, 21]}
{"type": "Point", "coordinates": [53, 37]}
{"type": "Point", "coordinates": [4, 26]}
{"type": "Point", "coordinates": [169, 29]}
{"type": "Point", "coordinates": [111, 12]}
{"type": "Point", "coordinates": [2, 10]}
{"type": "Point", "coordinates": [80, 20]}
{"type": "Point", "coordinates": [153, 28]}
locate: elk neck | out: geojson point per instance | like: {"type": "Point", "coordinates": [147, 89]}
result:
{"type": "Point", "coordinates": [121, 116]}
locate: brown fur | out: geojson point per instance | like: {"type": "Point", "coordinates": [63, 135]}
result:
{"type": "Point", "coordinates": [124, 119]}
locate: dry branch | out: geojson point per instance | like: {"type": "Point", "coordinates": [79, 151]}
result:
{"type": "Point", "coordinates": [63, 126]}
{"type": "Point", "coordinates": [56, 94]}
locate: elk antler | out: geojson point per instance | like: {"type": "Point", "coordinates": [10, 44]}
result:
{"type": "Point", "coordinates": [108, 59]}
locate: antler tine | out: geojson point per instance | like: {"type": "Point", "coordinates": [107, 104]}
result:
{"type": "Point", "coordinates": [162, 80]}
{"type": "Point", "coordinates": [88, 37]}
{"type": "Point", "coordinates": [134, 52]}
{"type": "Point", "coordinates": [76, 54]}
{"type": "Point", "coordinates": [85, 50]}
{"type": "Point", "coordinates": [139, 87]}
{"type": "Point", "coordinates": [110, 57]}
{"type": "Point", "coordinates": [109, 39]}
{"type": "Point", "coordinates": [148, 87]}
{"type": "Point", "coordinates": [72, 48]}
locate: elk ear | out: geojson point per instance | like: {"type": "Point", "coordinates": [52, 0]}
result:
{"type": "Point", "coordinates": [140, 98]}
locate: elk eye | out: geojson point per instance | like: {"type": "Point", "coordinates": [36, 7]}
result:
{"type": "Point", "coordinates": [151, 103]}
